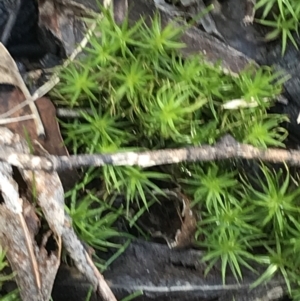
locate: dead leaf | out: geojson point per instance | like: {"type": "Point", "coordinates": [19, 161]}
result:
{"type": "Point", "coordinates": [9, 74]}
{"type": "Point", "coordinates": [53, 141]}
{"type": "Point", "coordinates": [185, 235]}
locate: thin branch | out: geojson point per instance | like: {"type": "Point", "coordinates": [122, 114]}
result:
{"type": "Point", "coordinates": [16, 119]}
{"type": "Point", "coordinates": [71, 113]}
{"type": "Point", "coordinates": [83, 262]}
{"type": "Point", "coordinates": [40, 92]}
{"type": "Point", "coordinates": [150, 158]}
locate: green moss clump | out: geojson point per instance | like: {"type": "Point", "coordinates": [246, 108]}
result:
{"type": "Point", "coordinates": [139, 92]}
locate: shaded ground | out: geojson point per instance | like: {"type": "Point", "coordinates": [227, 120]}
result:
{"type": "Point", "coordinates": [165, 274]}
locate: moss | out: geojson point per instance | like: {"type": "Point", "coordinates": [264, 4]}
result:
{"type": "Point", "coordinates": [282, 16]}
{"type": "Point", "coordinates": [143, 94]}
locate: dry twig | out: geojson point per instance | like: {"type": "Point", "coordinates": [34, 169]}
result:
{"type": "Point", "coordinates": [232, 150]}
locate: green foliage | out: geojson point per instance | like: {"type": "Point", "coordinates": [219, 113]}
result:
{"type": "Point", "coordinates": [237, 217]}
{"type": "Point", "coordinates": [93, 220]}
{"type": "Point", "coordinates": [139, 92]}
{"type": "Point", "coordinates": [81, 81]}
{"type": "Point", "coordinates": [212, 185]}
{"type": "Point", "coordinates": [132, 296]}
{"type": "Point", "coordinates": [160, 41]}
{"type": "Point", "coordinates": [144, 85]}
{"type": "Point", "coordinates": [250, 214]}
{"type": "Point", "coordinates": [259, 84]}
{"type": "Point", "coordinates": [14, 295]}
{"type": "Point", "coordinates": [136, 184]}
{"type": "Point", "coordinates": [247, 221]}
{"type": "Point", "coordinates": [229, 237]}
{"type": "Point", "coordinates": [263, 131]}
{"type": "Point", "coordinates": [276, 201]}
{"type": "Point", "coordinates": [278, 260]}
{"type": "Point", "coordinates": [284, 23]}
{"type": "Point", "coordinates": [170, 111]}
{"type": "Point", "coordinates": [232, 248]}
{"type": "Point", "coordinates": [97, 132]}
{"type": "Point", "coordinates": [227, 222]}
